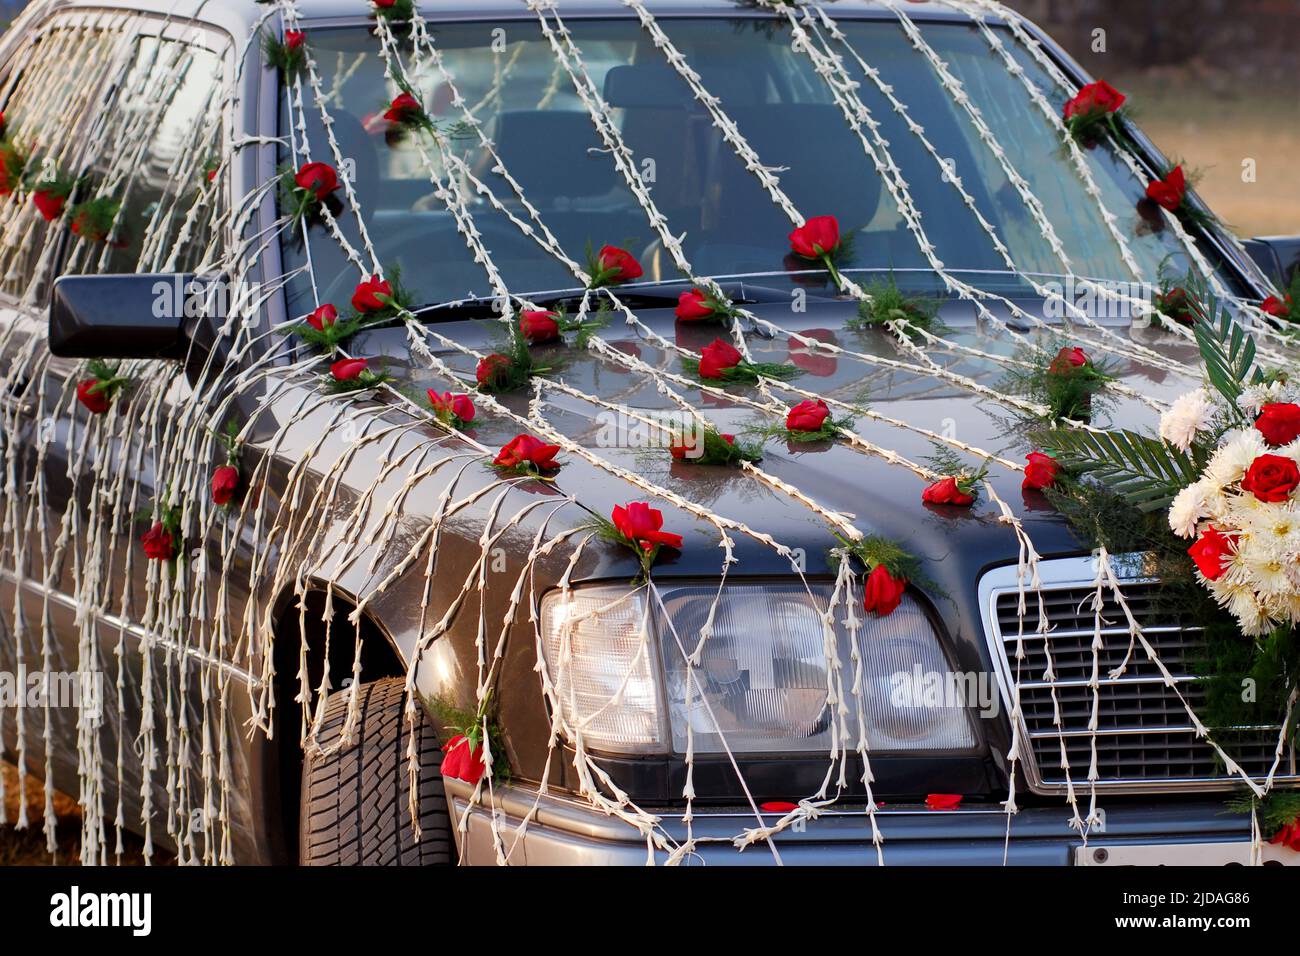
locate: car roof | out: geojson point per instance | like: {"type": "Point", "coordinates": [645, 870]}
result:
{"type": "Point", "coordinates": [232, 11]}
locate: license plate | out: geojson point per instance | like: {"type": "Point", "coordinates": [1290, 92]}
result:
{"type": "Point", "coordinates": [1181, 854]}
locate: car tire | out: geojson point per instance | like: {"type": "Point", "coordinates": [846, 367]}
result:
{"type": "Point", "coordinates": [355, 809]}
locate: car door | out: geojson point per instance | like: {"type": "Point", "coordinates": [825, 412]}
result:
{"type": "Point", "coordinates": [147, 147]}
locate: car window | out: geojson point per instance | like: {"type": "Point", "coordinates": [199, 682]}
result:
{"type": "Point", "coordinates": [54, 83]}
{"type": "Point", "coordinates": [151, 156]}
{"type": "Point", "coordinates": [511, 81]}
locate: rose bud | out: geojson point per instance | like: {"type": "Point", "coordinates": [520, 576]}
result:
{"type": "Point", "coordinates": [539, 327]}
{"type": "Point", "coordinates": [1279, 423]}
{"type": "Point", "coordinates": [323, 318]}
{"type": "Point", "coordinates": [1067, 359]}
{"type": "Point", "coordinates": [1098, 97]}
{"type": "Point", "coordinates": [348, 369]}
{"type": "Point", "coordinates": [693, 305]}
{"type": "Point", "coordinates": [1276, 307]}
{"type": "Point", "coordinates": [225, 482]}
{"type": "Point", "coordinates": [319, 179]}
{"type": "Point", "coordinates": [807, 416]}
{"type": "Point", "coordinates": [158, 544]}
{"type": "Point", "coordinates": [525, 449]}
{"type": "Point", "coordinates": [49, 204]}
{"type": "Point", "coordinates": [946, 492]}
{"type": "Point", "coordinates": [491, 369]}
{"type": "Point", "coordinates": [716, 358]}
{"type": "Point", "coordinates": [462, 762]}
{"type": "Point", "coordinates": [404, 109]}
{"type": "Point", "coordinates": [612, 257]}
{"type": "Point", "coordinates": [95, 400]}
{"type": "Point", "coordinates": [458, 405]}
{"type": "Point", "coordinates": [1169, 192]}
{"type": "Point", "coordinates": [1271, 478]}
{"type": "Point", "coordinates": [366, 297]}
{"type": "Point", "coordinates": [1041, 471]}
{"type": "Point", "coordinates": [882, 592]}
{"type": "Point", "coordinates": [294, 39]}
{"type": "Point", "coordinates": [819, 236]}
{"type": "Point", "coordinates": [642, 525]}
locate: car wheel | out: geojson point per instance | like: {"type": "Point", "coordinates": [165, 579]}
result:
{"type": "Point", "coordinates": [355, 808]}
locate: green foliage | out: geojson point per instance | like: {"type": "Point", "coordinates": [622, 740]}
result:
{"type": "Point", "coordinates": [829, 431]}
{"type": "Point", "coordinates": [1227, 350]}
{"type": "Point", "coordinates": [1069, 391]}
{"type": "Point", "coordinates": [1277, 809]}
{"type": "Point", "coordinates": [453, 721]}
{"type": "Point", "coordinates": [747, 373]}
{"type": "Point", "coordinates": [366, 380]}
{"type": "Point", "coordinates": [888, 304]}
{"type": "Point", "coordinates": [718, 451]}
{"type": "Point", "coordinates": [280, 56]}
{"type": "Point", "coordinates": [1146, 472]}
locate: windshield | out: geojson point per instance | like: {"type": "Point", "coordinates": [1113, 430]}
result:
{"type": "Point", "coordinates": [511, 80]}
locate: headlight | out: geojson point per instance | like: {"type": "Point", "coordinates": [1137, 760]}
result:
{"type": "Point", "coordinates": [762, 677]}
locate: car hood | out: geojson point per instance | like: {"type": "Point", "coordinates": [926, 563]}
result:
{"type": "Point", "coordinates": [880, 497]}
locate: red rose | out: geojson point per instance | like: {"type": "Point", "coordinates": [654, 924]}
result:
{"type": "Point", "coordinates": [539, 327]}
{"type": "Point", "coordinates": [158, 543]}
{"type": "Point", "coordinates": [683, 450]}
{"type": "Point", "coordinates": [1288, 835]}
{"type": "Point", "coordinates": [883, 592]}
{"type": "Point", "coordinates": [819, 236]}
{"type": "Point", "coordinates": [404, 109]}
{"type": "Point", "coordinates": [1271, 478]}
{"type": "Point", "coordinates": [348, 369]}
{"type": "Point", "coordinates": [1210, 550]}
{"type": "Point", "coordinates": [366, 298]}
{"type": "Point", "coordinates": [1067, 359]}
{"type": "Point", "coordinates": [294, 39]}
{"type": "Point", "coordinates": [95, 400]}
{"type": "Point", "coordinates": [491, 369]}
{"type": "Point", "coordinates": [50, 204]}
{"type": "Point", "coordinates": [1041, 470]}
{"type": "Point", "coordinates": [943, 801]}
{"type": "Point", "coordinates": [612, 257]}
{"type": "Point", "coordinates": [385, 4]}
{"type": "Point", "coordinates": [1279, 423]}
{"type": "Point", "coordinates": [641, 524]}
{"type": "Point", "coordinates": [462, 762]}
{"type": "Point", "coordinates": [1095, 98]}
{"type": "Point", "coordinates": [717, 357]}
{"type": "Point", "coordinates": [323, 318]}
{"type": "Point", "coordinates": [319, 179]}
{"type": "Point", "coordinates": [458, 405]}
{"type": "Point", "coordinates": [1169, 192]}
{"type": "Point", "coordinates": [525, 449]}
{"type": "Point", "coordinates": [1276, 307]}
{"type": "Point", "coordinates": [808, 416]}
{"type": "Point", "coordinates": [225, 482]}
{"type": "Point", "coordinates": [946, 492]}
{"type": "Point", "coordinates": [693, 305]}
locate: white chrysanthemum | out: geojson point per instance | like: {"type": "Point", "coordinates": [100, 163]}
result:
{"type": "Point", "coordinates": [1234, 456]}
{"type": "Point", "coordinates": [1187, 509]}
{"type": "Point", "coordinates": [1190, 414]}
{"type": "Point", "coordinates": [1255, 397]}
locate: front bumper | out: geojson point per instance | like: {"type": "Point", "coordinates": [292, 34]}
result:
{"type": "Point", "coordinates": [565, 832]}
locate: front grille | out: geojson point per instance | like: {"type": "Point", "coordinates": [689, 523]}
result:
{"type": "Point", "coordinates": [1145, 740]}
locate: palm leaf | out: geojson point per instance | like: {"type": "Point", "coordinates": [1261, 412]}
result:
{"type": "Point", "coordinates": [1146, 472]}
{"type": "Point", "coordinates": [1227, 349]}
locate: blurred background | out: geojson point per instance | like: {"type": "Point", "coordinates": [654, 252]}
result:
{"type": "Point", "coordinates": [1216, 83]}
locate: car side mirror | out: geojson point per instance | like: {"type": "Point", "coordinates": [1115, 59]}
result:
{"type": "Point", "coordinates": [132, 316]}
{"type": "Point", "coordinates": [1277, 256]}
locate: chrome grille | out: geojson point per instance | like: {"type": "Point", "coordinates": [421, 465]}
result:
{"type": "Point", "coordinates": [1145, 740]}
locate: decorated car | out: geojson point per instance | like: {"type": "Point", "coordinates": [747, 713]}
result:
{"type": "Point", "coordinates": [598, 433]}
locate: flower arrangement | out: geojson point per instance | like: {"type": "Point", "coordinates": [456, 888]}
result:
{"type": "Point", "coordinates": [51, 192]}
{"type": "Point", "coordinates": [453, 410]}
{"type": "Point", "coordinates": [289, 55]}
{"type": "Point", "coordinates": [96, 393]}
{"type": "Point", "coordinates": [700, 305]}
{"type": "Point", "coordinates": [353, 375]}
{"type": "Point", "coordinates": [547, 326]}
{"type": "Point", "coordinates": [708, 446]}
{"type": "Point", "coordinates": [819, 240]}
{"type": "Point", "coordinates": [393, 11]}
{"type": "Point", "coordinates": [1094, 113]}
{"type": "Point", "coordinates": [807, 422]}
{"type": "Point", "coordinates": [639, 527]}
{"type": "Point", "coordinates": [1170, 193]}
{"type": "Point", "coordinates": [163, 541]}
{"type": "Point", "coordinates": [611, 266]}
{"type": "Point", "coordinates": [307, 190]}
{"type": "Point", "coordinates": [12, 165]}
{"type": "Point", "coordinates": [1066, 383]}
{"type": "Point", "coordinates": [227, 479]}
{"type": "Point", "coordinates": [93, 219]}
{"type": "Point", "coordinates": [526, 456]}
{"type": "Point", "coordinates": [889, 570]}
{"type": "Point", "coordinates": [720, 361]}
